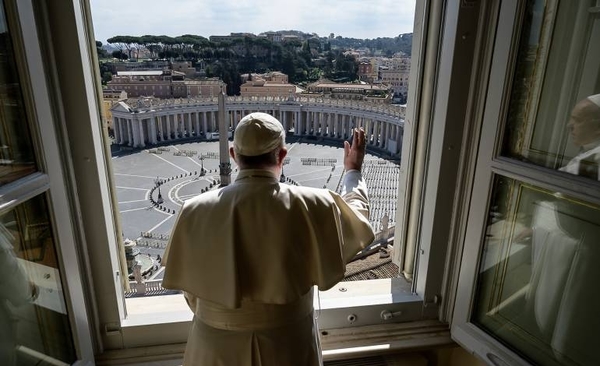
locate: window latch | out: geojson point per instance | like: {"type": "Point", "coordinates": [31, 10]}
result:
{"type": "Point", "coordinates": [387, 315]}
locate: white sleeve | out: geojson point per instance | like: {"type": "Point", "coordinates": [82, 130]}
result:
{"type": "Point", "coordinates": [354, 192]}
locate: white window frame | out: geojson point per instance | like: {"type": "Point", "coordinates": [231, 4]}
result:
{"type": "Point", "coordinates": [435, 121]}
{"type": "Point", "coordinates": [494, 103]}
{"type": "Point", "coordinates": [52, 179]}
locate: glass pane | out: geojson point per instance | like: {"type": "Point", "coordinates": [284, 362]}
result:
{"type": "Point", "coordinates": [34, 325]}
{"type": "Point", "coordinates": [554, 110]}
{"type": "Point", "coordinates": [16, 153]}
{"type": "Point", "coordinates": [537, 289]}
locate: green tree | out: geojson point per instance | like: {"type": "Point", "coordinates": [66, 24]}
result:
{"type": "Point", "coordinates": [106, 77]}
{"type": "Point", "coordinates": [129, 43]}
{"type": "Point", "coordinates": [101, 51]}
{"type": "Point", "coordinates": [118, 54]}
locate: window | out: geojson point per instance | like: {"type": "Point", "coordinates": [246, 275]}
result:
{"type": "Point", "coordinates": [349, 298]}
{"type": "Point", "coordinates": [42, 309]}
{"type": "Point", "coordinates": [430, 207]}
{"type": "Point", "coordinates": [527, 284]}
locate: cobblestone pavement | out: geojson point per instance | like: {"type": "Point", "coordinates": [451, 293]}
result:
{"type": "Point", "coordinates": [180, 166]}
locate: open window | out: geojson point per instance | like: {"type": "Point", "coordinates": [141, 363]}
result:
{"type": "Point", "coordinates": [527, 281]}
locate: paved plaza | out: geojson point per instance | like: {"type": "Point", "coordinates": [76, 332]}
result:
{"type": "Point", "coordinates": [178, 166]}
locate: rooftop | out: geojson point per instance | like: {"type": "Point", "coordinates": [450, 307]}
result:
{"type": "Point", "coordinates": [140, 73]}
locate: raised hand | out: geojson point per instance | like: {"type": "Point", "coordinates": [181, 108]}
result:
{"type": "Point", "coordinates": [354, 154]}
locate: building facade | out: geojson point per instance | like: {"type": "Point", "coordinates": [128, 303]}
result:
{"type": "Point", "coordinates": [145, 122]}
{"type": "Point", "coordinates": [163, 84]}
{"type": "Point", "coordinates": [110, 97]}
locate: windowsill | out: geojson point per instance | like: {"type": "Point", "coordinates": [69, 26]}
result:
{"type": "Point", "coordinates": [152, 310]}
{"type": "Point", "coordinates": [142, 311]}
{"type": "Point", "coordinates": [337, 344]}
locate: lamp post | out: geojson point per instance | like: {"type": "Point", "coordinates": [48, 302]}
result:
{"type": "Point", "coordinates": [157, 183]}
{"type": "Point", "coordinates": [202, 172]}
{"type": "Point", "coordinates": [159, 200]}
{"type": "Point", "coordinates": [282, 176]}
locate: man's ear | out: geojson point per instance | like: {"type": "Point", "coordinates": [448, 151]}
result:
{"type": "Point", "coordinates": [282, 154]}
{"type": "Point", "coordinates": [232, 153]}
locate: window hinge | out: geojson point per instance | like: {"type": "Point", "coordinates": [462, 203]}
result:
{"type": "Point", "coordinates": [434, 301]}
{"type": "Point", "coordinates": [112, 329]}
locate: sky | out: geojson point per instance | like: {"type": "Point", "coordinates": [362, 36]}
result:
{"type": "Point", "coordinates": [346, 18]}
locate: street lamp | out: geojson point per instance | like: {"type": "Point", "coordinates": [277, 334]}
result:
{"type": "Point", "coordinates": [202, 172]}
{"type": "Point", "coordinates": [159, 200]}
{"type": "Point", "coordinates": [282, 176]}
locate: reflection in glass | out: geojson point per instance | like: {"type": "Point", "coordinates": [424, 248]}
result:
{"type": "Point", "coordinates": [584, 128]}
{"type": "Point", "coordinates": [537, 287]}
{"type": "Point", "coordinates": [16, 153]}
{"type": "Point", "coordinates": [554, 112]}
{"type": "Point", "coordinates": [34, 324]}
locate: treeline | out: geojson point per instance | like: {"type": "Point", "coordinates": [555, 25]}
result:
{"type": "Point", "coordinates": [302, 60]}
{"type": "Point", "coordinates": [305, 59]}
{"type": "Point", "coordinates": [386, 46]}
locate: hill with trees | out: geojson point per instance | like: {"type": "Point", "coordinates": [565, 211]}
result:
{"type": "Point", "coordinates": [305, 58]}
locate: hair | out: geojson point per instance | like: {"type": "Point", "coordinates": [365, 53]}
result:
{"type": "Point", "coordinates": [259, 161]}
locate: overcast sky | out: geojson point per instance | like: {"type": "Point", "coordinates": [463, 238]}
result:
{"type": "Point", "coordinates": [347, 18]}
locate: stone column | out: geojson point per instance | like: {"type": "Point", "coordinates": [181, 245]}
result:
{"type": "Point", "coordinates": [116, 129]}
{"type": "Point", "coordinates": [177, 125]}
{"type": "Point", "coordinates": [204, 122]}
{"type": "Point", "coordinates": [123, 129]}
{"type": "Point", "coordinates": [135, 129]}
{"type": "Point", "coordinates": [152, 130]}
{"type": "Point", "coordinates": [197, 123]}
{"type": "Point", "coordinates": [129, 133]}
{"type": "Point", "coordinates": [142, 135]}
{"type": "Point", "coordinates": [297, 123]}
{"type": "Point", "coordinates": [347, 126]}
{"type": "Point", "coordinates": [168, 117]}
{"type": "Point", "coordinates": [161, 133]}
{"type": "Point", "coordinates": [213, 121]}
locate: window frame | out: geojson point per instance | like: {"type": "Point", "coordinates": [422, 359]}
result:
{"type": "Point", "coordinates": [489, 163]}
{"type": "Point", "coordinates": [50, 180]}
{"type": "Point", "coordinates": [435, 98]}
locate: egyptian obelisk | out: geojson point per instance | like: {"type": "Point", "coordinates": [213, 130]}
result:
{"type": "Point", "coordinates": [225, 164]}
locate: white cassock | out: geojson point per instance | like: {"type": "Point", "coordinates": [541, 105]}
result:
{"type": "Point", "coordinates": [588, 160]}
{"type": "Point", "coordinates": [247, 257]}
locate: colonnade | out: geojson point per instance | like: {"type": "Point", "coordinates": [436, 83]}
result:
{"type": "Point", "coordinates": [148, 126]}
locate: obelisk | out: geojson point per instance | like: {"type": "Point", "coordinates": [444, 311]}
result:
{"type": "Point", "coordinates": [225, 165]}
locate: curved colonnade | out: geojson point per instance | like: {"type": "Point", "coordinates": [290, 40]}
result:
{"type": "Point", "coordinates": [150, 121]}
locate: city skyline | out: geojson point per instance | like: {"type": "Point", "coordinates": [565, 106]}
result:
{"type": "Point", "coordinates": [355, 19]}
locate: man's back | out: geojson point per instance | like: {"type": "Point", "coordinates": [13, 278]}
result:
{"type": "Point", "coordinates": [248, 255]}
{"type": "Point", "coordinates": [267, 241]}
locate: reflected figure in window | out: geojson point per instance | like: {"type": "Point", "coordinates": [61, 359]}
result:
{"type": "Point", "coordinates": [248, 255]}
{"type": "Point", "coordinates": [584, 128]}
{"type": "Point", "coordinates": [15, 290]}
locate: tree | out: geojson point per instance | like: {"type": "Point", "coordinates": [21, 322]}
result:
{"type": "Point", "coordinates": [130, 43]}
{"type": "Point", "coordinates": [101, 51]}
{"type": "Point", "coordinates": [106, 77]}
{"type": "Point", "coordinates": [120, 55]}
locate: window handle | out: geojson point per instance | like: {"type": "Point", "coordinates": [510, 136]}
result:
{"type": "Point", "coordinates": [387, 315]}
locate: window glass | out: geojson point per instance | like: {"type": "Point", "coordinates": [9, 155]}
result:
{"type": "Point", "coordinates": [537, 289]}
{"type": "Point", "coordinates": [16, 153]}
{"type": "Point", "coordinates": [34, 323]}
{"type": "Point", "coordinates": [554, 110]}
